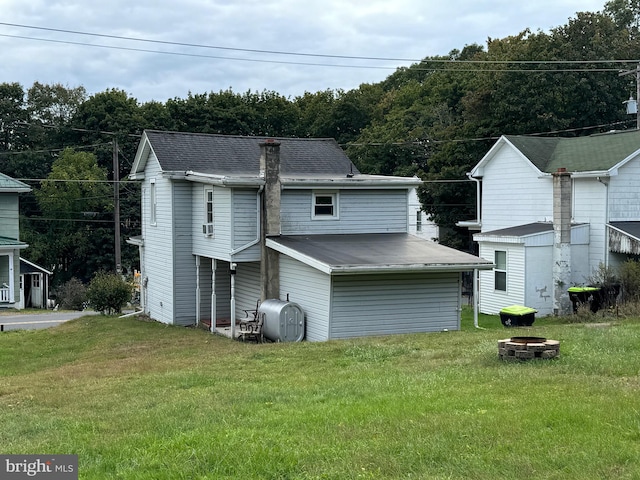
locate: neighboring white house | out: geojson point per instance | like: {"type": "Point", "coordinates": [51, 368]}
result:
{"type": "Point", "coordinates": [228, 221]}
{"type": "Point", "coordinates": [420, 224]}
{"type": "Point", "coordinates": [552, 210]}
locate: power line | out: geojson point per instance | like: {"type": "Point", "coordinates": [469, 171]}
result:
{"type": "Point", "coordinates": [300, 54]}
{"type": "Point", "coordinates": [181, 54]}
{"type": "Point", "coordinates": [52, 150]}
{"type": "Point", "coordinates": [446, 62]}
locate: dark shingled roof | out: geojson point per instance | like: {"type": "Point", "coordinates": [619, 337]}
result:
{"type": "Point", "coordinates": [521, 230]}
{"type": "Point", "coordinates": [578, 154]}
{"type": "Point", "coordinates": [237, 155]}
{"type": "Point", "coordinates": [362, 253]}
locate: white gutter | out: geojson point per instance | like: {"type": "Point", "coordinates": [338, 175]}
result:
{"type": "Point", "coordinates": [223, 180]}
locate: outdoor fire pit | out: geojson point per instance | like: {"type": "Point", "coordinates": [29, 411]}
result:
{"type": "Point", "coordinates": [527, 348]}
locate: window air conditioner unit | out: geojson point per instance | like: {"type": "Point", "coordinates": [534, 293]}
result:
{"type": "Point", "coordinates": [207, 229]}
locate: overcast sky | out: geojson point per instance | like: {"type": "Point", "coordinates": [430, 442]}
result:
{"type": "Point", "coordinates": [256, 41]}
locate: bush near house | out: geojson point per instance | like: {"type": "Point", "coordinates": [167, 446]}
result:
{"type": "Point", "coordinates": [108, 293]}
{"type": "Point", "coordinates": [71, 295]}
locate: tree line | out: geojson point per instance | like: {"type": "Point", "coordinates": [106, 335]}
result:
{"type": "Point", "coordinates": [434, 119]}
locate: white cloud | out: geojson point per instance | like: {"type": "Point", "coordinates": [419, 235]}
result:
{"type": "Point", "coordinates": [411, 29]}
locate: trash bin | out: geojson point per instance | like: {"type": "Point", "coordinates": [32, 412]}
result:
{"type": "Point", "coordinates": [517, 316]}
{"type": "Point", "coordinates": [588, 295]}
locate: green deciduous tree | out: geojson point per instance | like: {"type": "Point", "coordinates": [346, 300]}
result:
{"type": "Point", "coordinates": [74, 237]}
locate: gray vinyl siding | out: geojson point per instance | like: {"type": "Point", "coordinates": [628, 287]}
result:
{"type": "Point", "coordinates": [223, 291]}
{"type": "Point", "coordinates": [184, 264]}
{"type": "Point", "coordinates": [247, 287]}
{"type": "Point", "coordinates": [219, 244]}
{"type": "Point", "coordinates": [205, 288]}
{"type": "Point", "coordinates": [158, 245]}
{"type": "Point", "coordinates": [245, 209]}
{"type": "Point", "coordinates": [359, 211]}
{"type": "Point", "coordinates": [364, 305]}
{"type": "Point", "coordinates": [9, 225]}
{"type": "Point", "coordinates": [624, 194]}
{"type": "Point", "coordinates": [539, 287]}
{"type": "Point", "coordinates": [311, 289]}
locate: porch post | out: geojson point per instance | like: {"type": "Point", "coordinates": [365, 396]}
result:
{"type": "Point", "coordinates": [11, 280]}
{"type": "Point", "coordinates": [213, 295]}
{"type": "Point", "coordinates": [233, 300]}
{"type": "Point", "coordinates": [197, 290]}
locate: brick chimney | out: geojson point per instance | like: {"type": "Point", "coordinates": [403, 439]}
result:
{"type": "Point", "coordinates": [270, 218]}
{"type": "Point", "coordinates": [561, 241]}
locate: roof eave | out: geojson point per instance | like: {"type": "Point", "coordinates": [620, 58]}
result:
{"type": "Point", "coordinates": [350, 182]}
{"type": "Point", "coordinates": [359, 269]}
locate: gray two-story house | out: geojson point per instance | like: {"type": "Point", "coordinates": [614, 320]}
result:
{"type": "Point", "coordinates": [229, 221]}
{"type": "Point", "coordinates": [10, 244]}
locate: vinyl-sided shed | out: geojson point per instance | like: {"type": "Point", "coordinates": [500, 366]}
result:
{"type": "Point", "coordinates": [373, 284]}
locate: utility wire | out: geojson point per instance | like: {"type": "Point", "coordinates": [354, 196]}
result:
{"type": "Point", "coordinates": [301, 54]}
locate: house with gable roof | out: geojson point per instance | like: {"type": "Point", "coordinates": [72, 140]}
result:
{"type": "Point", "coordinates": [552, 210]}
{"type": "Point", "coordinates": [230, 221]}
{"type": "Point", "coordinates": [10, 244]}
{"type": "Point", "coordinates": [22, 283]}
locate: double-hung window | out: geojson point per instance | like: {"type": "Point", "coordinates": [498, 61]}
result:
{"type": "Point", "coordinates": [207, 227]}
{"type": "Point", "coordinates": [325, 205]}
{"type": "Point", "coordinates": [500, 270]}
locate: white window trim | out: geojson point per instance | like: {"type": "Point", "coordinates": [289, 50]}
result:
{"type": "Point", "coordinates": [153, 202]}
{"type": "Point", "coordinates": [207, 226]}
{"type": "Point", "coordinates": [335, 199]}
{"type": "Point", "coordinates": [500, 270]}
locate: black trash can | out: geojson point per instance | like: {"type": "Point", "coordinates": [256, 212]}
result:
{"type": "Point", "coordinates": [517, 316]}
{"type": "Point", "coordinates": [589, 295]}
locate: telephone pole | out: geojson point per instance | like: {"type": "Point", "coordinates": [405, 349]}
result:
{"type": "Point", "coordinates": [116, 205]}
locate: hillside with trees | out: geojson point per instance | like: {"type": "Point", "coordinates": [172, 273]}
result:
{"type": "Point", "coordinates": [434, 119]}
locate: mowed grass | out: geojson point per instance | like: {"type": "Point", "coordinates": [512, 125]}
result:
{"type": "Point", "coordinates": [140, 400]}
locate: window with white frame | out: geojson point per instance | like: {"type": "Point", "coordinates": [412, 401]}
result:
{"type": "Point", "coordinates": [419, 221]}
{"type": "Point", "coordinates": [500, 270]}
{"type": "Point", "coordinates": [325, 205]}
{"type": "Point", "coordinates": [152, 202]}
{"type": "Point", "coordinates": [207, 227]}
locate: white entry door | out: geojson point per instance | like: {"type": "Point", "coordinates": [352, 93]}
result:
{"type": "Point", "coordinates": [36, 291]}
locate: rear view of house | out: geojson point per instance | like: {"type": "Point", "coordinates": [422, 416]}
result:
{"type": "Point", "coordinates": [231, 221]}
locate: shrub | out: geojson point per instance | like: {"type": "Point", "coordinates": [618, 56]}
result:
{"type": "Point", "coordinates": [71, 295]}
{"type": "Point", "coordinates": [629, 273]}
{"type": "Point", "coordinates": [108, 293]}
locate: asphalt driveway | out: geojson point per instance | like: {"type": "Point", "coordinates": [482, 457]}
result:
{"type": "Point", "coordinates": [38, 320]}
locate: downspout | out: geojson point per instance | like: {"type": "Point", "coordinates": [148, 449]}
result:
{"type": "Point", "coordinates": [476, 300]}
{"type": "Point", "coordinates": [233, 300]}
{"type": "Point", "coordinates": [197, 290]}
{"type": "Point", "coordinates": [606, 221]}
{"type": "Point", "coordinates": [478, 199]}
{"type": "Point", "coordinates": [476, 273]}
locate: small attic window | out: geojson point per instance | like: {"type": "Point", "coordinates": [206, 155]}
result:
{"type": "Point", "coordinates": [325, 205]}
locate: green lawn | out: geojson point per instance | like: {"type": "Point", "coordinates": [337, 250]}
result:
{"type": "Point", "coordinates": [140, 400]}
